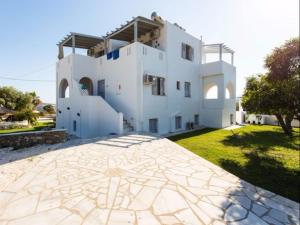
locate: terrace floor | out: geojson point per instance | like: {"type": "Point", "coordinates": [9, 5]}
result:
{"type": "Point", "coordinates": [133, 179]}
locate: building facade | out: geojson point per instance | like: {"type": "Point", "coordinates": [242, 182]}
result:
{"type": "Point", "coordinates": [149, 75]}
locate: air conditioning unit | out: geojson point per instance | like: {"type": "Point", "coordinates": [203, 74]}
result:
{"type": "Point", "coordinates": [188, 125]}
{"type": "Point", "coordinates": [148, 79]}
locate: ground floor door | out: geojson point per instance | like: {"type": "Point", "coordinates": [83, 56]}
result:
{"type": "Point", "coordinates": [101, 88]}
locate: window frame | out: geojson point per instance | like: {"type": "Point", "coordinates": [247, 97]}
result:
{"type": "Point", "coordinates": [156, 125]}
{"type": "Point", "coordinates": [196, 121]}
{"type": "Point", "coordinates": [187, 52]}
{"type": "Point", "coordinates": [158, 86]}
{"type": "Point", "coordinates": [178, 85]}
{"type": "Point", "coordinates": [187, 89]}
{"type": "Point", "coordinates": [178, 122]}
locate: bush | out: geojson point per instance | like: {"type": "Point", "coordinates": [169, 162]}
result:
{"type": "Point", "coordinates": [26, 115]}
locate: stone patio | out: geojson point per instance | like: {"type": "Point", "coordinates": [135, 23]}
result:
{"type": "Point", "coordinates": [133, 179]}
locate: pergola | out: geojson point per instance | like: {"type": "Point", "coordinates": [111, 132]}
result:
{"type": "Point", "coordinates": [219, 48]}
{"type": "Point", "coordinates": [129, 32]}
{"type": "Point", "coordinates": [133, 29]}
{"type": "Point", "coordinates": [77, 40]}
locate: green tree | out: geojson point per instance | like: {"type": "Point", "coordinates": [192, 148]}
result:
{"type": "Point", "coordinates": [28, 115]}
{"type": "Point", "coordinates": [277, 92]}
{"type": "Point", "coordinates": [14, 99]}
{"type": "Point", "coordinates": [49, 109]}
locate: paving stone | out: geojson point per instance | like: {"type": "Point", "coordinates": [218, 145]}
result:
{"type": "Point", "coordinates": [259, 210]}
{"type": "Point", "coordinates": [168, 202]}
{"type": "Point", "coordinates": [279, 215]}
{"type": "Point", "coordinates": [270, 220]}
{"type": "Point", "coordinates": [97, 217]}
{"type": "Point", "coordinates": [146, 218]}
{"type": "Point", "coordinates": [121, 217]}
{"type": "Point", "coordinates": [187, 217]}
{"type": "Point", "coordinates": [235, 213]}
{"type": "Point", "coordinates": [241, 200]}
{"type": "Point", "coordinates": [250, 220]}
{"type": "Point", "coordinates": [152, 181]}
{"type": "Point", "coordinates": [46, 218]}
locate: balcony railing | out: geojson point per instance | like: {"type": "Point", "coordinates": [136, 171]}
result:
{"type": "Point", "coordinates": [217, 52]}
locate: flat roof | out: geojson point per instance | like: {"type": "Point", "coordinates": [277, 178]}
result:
{"type": "Point", "coordinates": [81, 40]}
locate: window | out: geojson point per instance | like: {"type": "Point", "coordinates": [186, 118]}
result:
{"type": "Point", "coordinates": [196, 119]}
{"type": "Point", "coordinates": [187, 89]}
{"type": "Point", "coordinates": [187, 52]}
{"type": "Point", "coordinates": [178, 85]}
{"type": "Point", "coordinates": [153, 125]}
{"type": "Point", "coordinates": [178, 122]}
{"type": "Point", "coordinates": [74, 126]}
{"type": "Point", "coordinates": [158, 86]}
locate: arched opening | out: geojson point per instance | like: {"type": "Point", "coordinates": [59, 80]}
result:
{"type": "Point", "coordinates": [229, 91]}
{"type": "Point", "coordinates": [86, 85]}
{"type": "Point", "coordinates": [64, 89]}
{"type": "Point", "coordinates": [211, 91]}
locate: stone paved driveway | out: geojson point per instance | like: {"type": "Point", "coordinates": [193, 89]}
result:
{"type": "Point", "coordinates": [134, 179]}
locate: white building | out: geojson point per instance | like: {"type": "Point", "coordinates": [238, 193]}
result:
{"type": "Point", "coordinates": [148, 75]}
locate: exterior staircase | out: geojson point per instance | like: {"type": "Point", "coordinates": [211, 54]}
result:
{"type": "Point", "coordinates": [127, 127]}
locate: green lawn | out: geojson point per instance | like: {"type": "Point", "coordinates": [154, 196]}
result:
{"type": "Point", "coordinates": [261, 155]}
{"type": "Point", "coordinates": [39, 126]}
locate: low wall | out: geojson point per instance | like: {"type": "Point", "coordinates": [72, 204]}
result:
{"type": "Point", "coordinates": [7, 125]}
{"type": "Point", "coordinates": [28, 139]}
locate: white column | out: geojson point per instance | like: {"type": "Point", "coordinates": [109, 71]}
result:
{"type": "Point", "coordinates": [73, 44]}
{"type": "Point", "coordinates": [220, 52]}
{"type": "Point", "coordinates": [135, 30]}
{"type": "Point", "coordinates": [232, 58]}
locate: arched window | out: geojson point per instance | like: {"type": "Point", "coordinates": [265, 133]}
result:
{"type": "Point", "coordinates": [64, 89]}
{"type": "Point", "coordinates": [229, 91]}
{"type": "Point", "coordinates": [211, 91]}
{"type": "Point", "coordinates": [86, 85]}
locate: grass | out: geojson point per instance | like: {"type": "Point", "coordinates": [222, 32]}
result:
{"type": "Point", "coordinates": [37, 127]}
{"type": "Point", "coordinates": [261, 155]}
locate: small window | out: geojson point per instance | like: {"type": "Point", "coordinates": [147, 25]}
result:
{"type": "Point", "coordinates": [187, 52]}
{"type": "Point", "coordinates": [158, 86]}
{"type": "Point", "coordinates": [178, 85]}
{"type": "Point", "coordinates": [178, 122]}
{"type": "Point", "coordinates": [187, 89]}
{"type": "Point", "coordinates": [153, 125]}
{"type": "Point", "coordinates": [74, 126]}
{"type": "Point", "coordinates": [196, 119]}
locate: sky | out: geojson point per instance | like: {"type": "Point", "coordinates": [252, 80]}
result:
{"type": "Point", "coordinates": [30, 30]}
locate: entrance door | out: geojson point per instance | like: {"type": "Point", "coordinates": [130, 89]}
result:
{"type": "Point", "coordinates": [231, 119]}
{"type": "Point", "coordinates": [101, 88]}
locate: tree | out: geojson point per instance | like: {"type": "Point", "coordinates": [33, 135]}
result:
{"type": "Point", "coordinates": [14, 99]}
{"type": "Point", "coordinates": [277, 92]}
{"type": "Point", "coordinates": [28, 115]}
{"type": "Point", "coordinates": [49, 109]}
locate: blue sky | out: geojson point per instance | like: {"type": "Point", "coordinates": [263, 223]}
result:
{"type": "Point", "coordinates": [30, 30]}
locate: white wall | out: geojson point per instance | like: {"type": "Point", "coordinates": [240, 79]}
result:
{"type": "Point", "coordinates": [93, 115]}
{"type": "Point", "coordinates": [125, 92]}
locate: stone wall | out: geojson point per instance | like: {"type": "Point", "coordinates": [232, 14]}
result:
{"type": "Point", "coordinates": [28, 139]}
